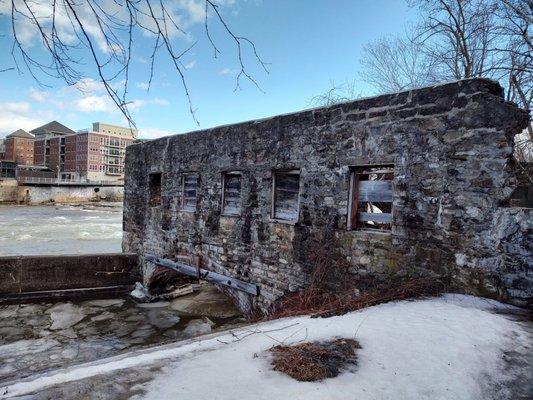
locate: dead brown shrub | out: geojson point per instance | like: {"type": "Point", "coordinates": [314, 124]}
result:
{"type": "Point", "coordinates": [333, 290]}
{"type": "Point", "coordinates": [315, 360]}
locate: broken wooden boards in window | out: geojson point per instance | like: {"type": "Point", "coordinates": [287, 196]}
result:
{"type": "Point", "coordinates": [190, 191]}
{"type": "Point", "coordinates": [231, 193]}
{"type": "Point", "coordinates": [286, 195]}
{"type": "Point", "coordinates": [370, 202]}
{"type": "Point", "coordinates": [154, 187]}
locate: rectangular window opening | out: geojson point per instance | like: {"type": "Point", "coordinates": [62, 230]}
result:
{"type": "Point", "coordinates": [231, 193]}
{"type": "Point", "coordinates": [370, 201]}
{"type": "Point", "coordinates": [189, 192]}
{"type": "Point", "coordinates": [286, 193]}
{"type": "Point", "coordinates": [154, 186]}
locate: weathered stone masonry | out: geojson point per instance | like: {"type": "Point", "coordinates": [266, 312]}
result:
{"type": "Point", "coordinates": [451, 148]}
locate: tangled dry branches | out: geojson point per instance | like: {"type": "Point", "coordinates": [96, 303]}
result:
{"type": "Point", "coordinates": [315, 360]}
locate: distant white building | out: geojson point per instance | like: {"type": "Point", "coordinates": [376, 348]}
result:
{"type": "Point", "coordinates": [115, 130]}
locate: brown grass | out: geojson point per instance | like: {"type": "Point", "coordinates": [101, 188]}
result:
{"type": "Point", "coordinates": [333, 290]}
{"type": "Point", "coordinates": [325, 304]}
{"type": "Point", "coordinates": [315, 361]}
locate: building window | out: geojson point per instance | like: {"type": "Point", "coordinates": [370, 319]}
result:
{"type": "Point", "coordinates": [231, 193]}
{"type": "Point", "coordinates": [154, 186]}
{"type": "Point", "coordinates": [370, 202]}
{"type": "Point", "coordinates": [286, 193]}
{"type": "Point", "coordinates": [189, 192]}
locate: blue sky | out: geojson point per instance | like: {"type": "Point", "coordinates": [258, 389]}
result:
{"type": "Point", "coordinates": [307, 43]}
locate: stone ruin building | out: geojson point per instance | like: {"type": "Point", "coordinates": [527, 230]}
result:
{"type": "Point", "coordinates": [412, 181]}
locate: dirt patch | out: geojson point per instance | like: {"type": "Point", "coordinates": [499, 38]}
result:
{"type": "Point", "coordinates": [315, 361]}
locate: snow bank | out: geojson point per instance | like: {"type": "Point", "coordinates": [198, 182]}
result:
{"type": "Point", "coordinates": [444, 348]}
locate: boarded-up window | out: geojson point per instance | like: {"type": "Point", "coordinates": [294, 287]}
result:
{"type": "Point", "coordinates": [286, 195]}
{"type": "Point", "coordinates": [190, 187]}
{"type": "Point", "coordinates": [231, 200]}
{"type": "Point", "coordinates": [154, 186]}
{"type": "Point", "coordinates": [371, 197]}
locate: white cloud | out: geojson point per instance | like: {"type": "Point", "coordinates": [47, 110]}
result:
{"type": "Point", "coordinates": [160, 102]}
{"type": "Point", "coordinates": [153, 133]}
{"type": "Point", "coordinates": [16, 107]}
{"type": "Point", "coordinates": [227, 71]}
{"type": "Point", "coordinates": [195, 9]}
{"type": "Point", "coordinates": [94, 104]}
{"type": "Point", "coordinates": [19, 115]}
{"type": "Point", "coordinates": [183, 13]}
{"type": "Point", "coordinates": [136, 105]}
{"type": "Point", "coordinates": [142, 85]}
{"type": "Point", "coordinates": [89, 85]}
{"type": "Point", "coordinates": [190, 65]}
{"type": "Point", "coordinates": [37, 95]}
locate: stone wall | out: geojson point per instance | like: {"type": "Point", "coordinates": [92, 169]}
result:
{"type": "Point", "coordinates": [450, 146]}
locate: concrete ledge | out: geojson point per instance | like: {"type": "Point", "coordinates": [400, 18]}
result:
{"type": "Point", "coordinates": [32, 278]}
{"type": "Point", "coordinates": [108, 292]}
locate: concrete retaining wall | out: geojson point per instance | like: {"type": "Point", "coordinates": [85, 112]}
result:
{"type": "Point", "coordinates": [59, 194]}
{"type": "Point", "coordinates": [71, 276]}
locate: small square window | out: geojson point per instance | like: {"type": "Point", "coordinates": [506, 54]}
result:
{"type": "Point", "coordinates": [189, 192]}
{"type": "Point", "coordinates": [370, 202]}
{"type": "Point", "coordinates": [231, 193]}
{"type": "Point", "coordinates": [286, 195]}
{"type": "Point", "coordinates": [154, 186]}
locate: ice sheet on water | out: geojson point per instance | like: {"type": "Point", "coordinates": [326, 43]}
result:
{"type": "Point", "coordinates": [65, 315]}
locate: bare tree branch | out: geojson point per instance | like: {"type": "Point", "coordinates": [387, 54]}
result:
{"type": "Point", "coordinates": [458, 39]}
{"type": "Point", "coordinates": [90, 37]}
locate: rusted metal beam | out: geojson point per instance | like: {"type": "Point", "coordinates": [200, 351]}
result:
{"type": "Point", "coordinates": [206, 275]}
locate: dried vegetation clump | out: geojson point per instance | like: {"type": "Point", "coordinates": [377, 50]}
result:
{"type": "Point", "coordinates": [315, 361]}
{"type": "Point", "coordinates": [334, 290]}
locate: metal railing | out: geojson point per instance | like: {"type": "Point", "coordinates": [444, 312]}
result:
{"type": "Point", "coordinates": [73, 182]}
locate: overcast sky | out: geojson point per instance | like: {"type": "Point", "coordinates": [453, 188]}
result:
{"type": "Point", "coordinates": [307, 43]}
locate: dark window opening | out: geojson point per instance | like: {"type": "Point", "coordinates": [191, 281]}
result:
{"type": "Point", "coordinates": [190, 186]}
{"type": "Point", "coordinates": [370, 202]}
{"type": "Point", "coordinates": [286, 195]}
{"type": "Point", "coordinates": [154, 185]}
{"type": "Point", "coordinates": [231, 200]}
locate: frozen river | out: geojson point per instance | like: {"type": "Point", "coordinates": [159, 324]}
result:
{"type": "Point", "coordinates": [31, 230]}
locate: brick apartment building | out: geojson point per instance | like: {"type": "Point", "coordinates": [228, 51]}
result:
{"type": "Point", "coordinates": [51, 129]}
{"type": "Point", "coordinates": [94, 155]}
{"type": "Point", "coordinates": [18, 148]}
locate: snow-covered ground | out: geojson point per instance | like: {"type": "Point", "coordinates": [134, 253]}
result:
{"type": "Point", "coordinates": [453, 347]}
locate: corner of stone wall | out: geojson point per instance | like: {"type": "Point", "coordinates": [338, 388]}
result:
{"type": "Point", "coordinates": [505, 272]}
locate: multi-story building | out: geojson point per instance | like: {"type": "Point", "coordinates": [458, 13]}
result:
{"type": "Point", "coordinates": [115, 130]}
{"type": "Point", "coordinates": [45, 152]}
{"type": "Point", "coordinates": [18, 147]}
{"type": "Point", "coordinates": [51, 129]}
{"type": "Point", "coordinates": [94, 156]}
